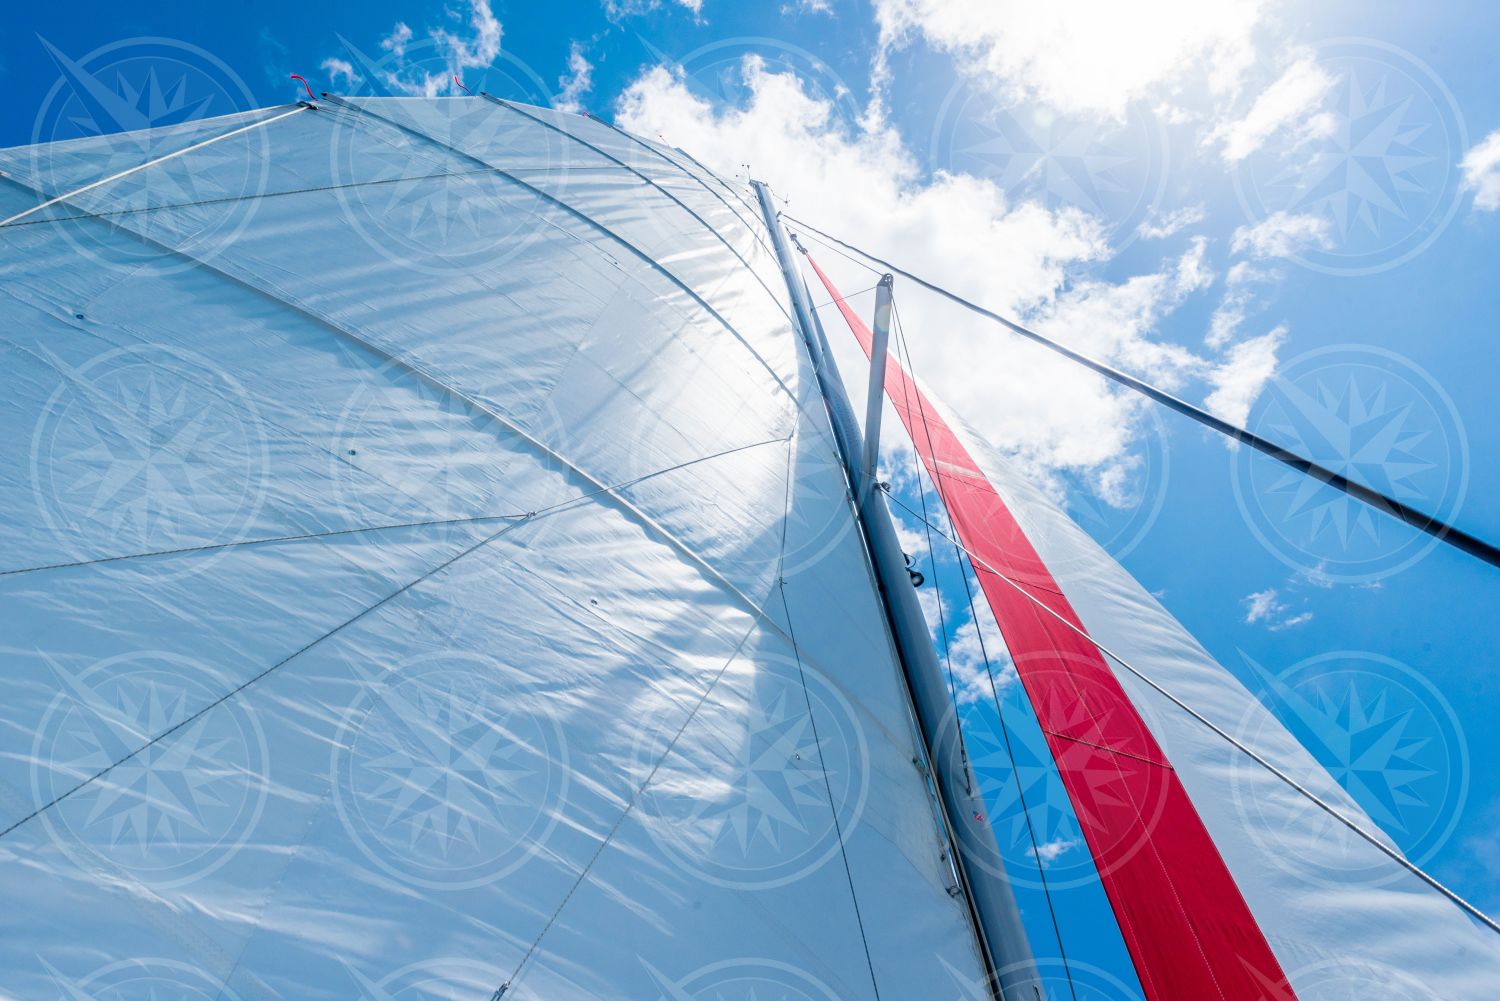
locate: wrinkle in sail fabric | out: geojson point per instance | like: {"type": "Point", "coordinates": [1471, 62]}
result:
{"type": "Point", "coordinates": [427, 791]}
{"type": "Point", "coordinates": [1208, 904]}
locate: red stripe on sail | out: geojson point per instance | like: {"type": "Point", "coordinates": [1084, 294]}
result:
{"type": "Point", "coordinates": [1189, 931]}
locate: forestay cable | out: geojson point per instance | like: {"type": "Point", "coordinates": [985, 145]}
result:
{"type": "Point", "coordinates": [510, 981]}
{"type": "Point", "coordinates": [1440, 530]}
{"type": "Point", "coordinates": [515, 521]}
{"type": "Point", "coordinates": [363, 529]}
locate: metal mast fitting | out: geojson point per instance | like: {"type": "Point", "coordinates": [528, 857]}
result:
{"type": "Point", "coordinates": [997, 919]}
{"type": "Point", "coordinates": [875, 402]}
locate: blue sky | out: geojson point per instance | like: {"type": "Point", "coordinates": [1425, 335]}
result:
{"type": "Point", "coordinates": [1263, 205]}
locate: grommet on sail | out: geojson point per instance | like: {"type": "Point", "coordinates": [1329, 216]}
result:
{"type": "Point", "coordinates": [441, 557]}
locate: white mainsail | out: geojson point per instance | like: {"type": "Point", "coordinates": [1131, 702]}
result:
{"type": "Point", "coordinates": [429, 573]}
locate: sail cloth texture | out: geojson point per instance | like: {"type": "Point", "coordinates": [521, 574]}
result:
{"type": "Point", "coordinates": [1225, 881]}
{"type": "Point", "coordinates": [427, 567]}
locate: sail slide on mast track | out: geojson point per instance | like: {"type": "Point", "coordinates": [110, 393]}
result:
{"type": "Point", "coordinates": [429, 570]}
{"type": "Point", "coordinates": [1212, 900]}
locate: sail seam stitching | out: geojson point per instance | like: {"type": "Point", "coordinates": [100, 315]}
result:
{"type": "Point", "coordinates": [532, 189]}
{"type": "Point", "coordinates": [516, 521]}
{"type": "Point", "coordinates": [150, 163]}
{"type": "Point", "coordinates": [833, 809]}
{"type": "Point", "coordinates": [515, 516]}
{"type": "Point", "coordinates": [1107, 749]}
{"type": "Point", "coordinates": [688, 173]}
{"type": "Point", "coordinates": [275, 294]}
{"type": "Point", "coordinates": [236, 199]}
{"type": "Point", "coordinates": [614, 829]}
{"type": "Point", "coordinates": [674, 199]}
{"type": "Point", "coordinates": [198, 714]}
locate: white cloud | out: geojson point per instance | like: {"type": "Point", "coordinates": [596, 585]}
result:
{"type": "Point", "coordinates": [427, 68]}
{"type": "Point", "coordinates": [1240, 283]}
{"type": "Point", "coordinates": [1017, 258]}
{"type": "Point", "coordinates": [970, 677]}
{"type": "Point", "coordinates": [1292, 104]}
{"type": "Point", "coordinates": [1116, 484]}
{"type": "Point", "coordinates": [1267, 608]}
{"type": "Point", "coordinates": [1239, 380]}
{"type": "Point", "coordinates": [1282, 234]}
{"type": "Point", "coordinates": [1317, 576]}
{"type": "Point", "coordinates": [395, 42]}
{"type": "Point", "coordinates": [340, 69]}
{"type": "Point", "coordinates": [1088, 56]}
{"type": "Point", "coordinates": [913, 543]}
{"type": "Point", "coordinates": [578, 81]}
{"type": "Point", "coordinates": [967, 638]}
{"type": "Point", "coordinates": [1261, 605]}
{"type": "Point", "coordinates": [1049, 851]}
{"type": "Point", "coordinates": [977, 651]}
{"type": "Point", "coordinates": [1116, 321]}
{"type": "Point", "coordinates": [1481, 167]}
{"type": "Point", "coordinates": [1249, 363]}
{"type": "Point", "coordinates": [1175, 222]}
{"type": "Point", "coordinates": [480, 46]}
{"type": "Point", "coordinates": [618, 10]}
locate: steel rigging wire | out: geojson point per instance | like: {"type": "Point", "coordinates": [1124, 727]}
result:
{"type": "Point", "coordinates": [903, 349]}
{"type": "Point", "coordinates": [1333, 811]}
{"type": "Point", "coordinates": [1441, 530]}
